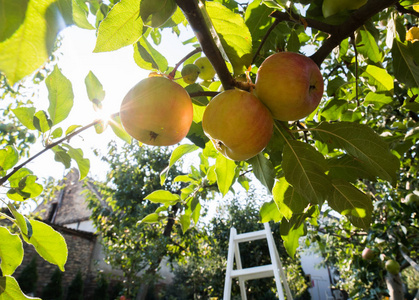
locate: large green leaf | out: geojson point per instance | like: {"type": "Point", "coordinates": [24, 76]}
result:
{"type": "Point", "coordinates": [263, 170]}
{"type": "Point", "coordinates": [49, 244]}
{"type": "Point", "coordinates": [11, 251]}
{"type": "Point", "coordinates": [270, 212]}
{"type": "Point", "coordinates": [377, 100]}
{"type": "Point", "coordinates": [162, 196]}
{"type": "Point", "coordinates": [82, 163]}
{"type": "Point", "coordinates": [304, 168]}
{"type": "Point", "coordinates": [234, 35]}
{"type": "Point", "coordinates": [352, 203]}
{"type": "Point", "coordinates": [22, 222]}
{"type": "Point", "coordinates": [363, 143]}
{"type": "Point", "coordinates": [147, 57]}
{"type": "Point", "coordinates": [41, 121]}
{"type": "Point", "coordinates": [60, 95]}
{"type": "Point", "coordinates": [94, 88]}
{"type": "Point", "coordinates": [367, 45]}
{"type": "Point", "coordinates": [406, 70]}
{"type": "Point", "coordinates": [289, 202]}
{"type": "Point", "coordinates": [10, 290]}
{"type": "Point", "coordinates": [177, 154]}
{"type": "Point", "coordinates": [123, 26]}
{"type": "Point", "coordinates": [25, 116]}
{"type": "Point", "coordinates": [225, 169]}
{"type": "Point", "coordinates": [80, 13]}
{"type": "Point", "coordinates": [349, 168]}
{"type": "Point", "coordinates": [379, 79]}
{"type": "Point", "coordinates": [291, 231]}
{"type": "Point", "coordinates": [9, 156]}
{"type": "Point", "coordinates": [13, 15]}
{"type": "Point", "coordinates": [27, 188]}
{"type": "Point", "coordinates": [29, 45]}
{"type": "Point", "coordinates": [119, 130]}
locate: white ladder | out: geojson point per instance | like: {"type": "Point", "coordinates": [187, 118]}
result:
{"type": "Point", "coordinates": [273, 270]}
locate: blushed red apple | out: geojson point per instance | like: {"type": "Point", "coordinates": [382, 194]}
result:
{"type": "Point", "coordinates": [238, 124]}
{"type": "Point", "coordinates": [157, 111]}
{"type": "Point", "coordinates": [290, 85]}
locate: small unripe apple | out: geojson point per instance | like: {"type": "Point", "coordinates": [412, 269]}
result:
{"type": "Point", "coordinates": [207, 71]}
{"type": "Point", "coordinates": [392, 267]}
{"type": "Point", "coordinates": [368, 254]}
{"type": "Point", "coordinates": [238, 124]}
{"type": "Point", "coordinates": [190, 73]}
{"type": "Point", "coordinates": [157, 111]}
{"type": "Point", "coordinates": [290, 85]}
{"type": "Point", "coordinates": [332, 7]}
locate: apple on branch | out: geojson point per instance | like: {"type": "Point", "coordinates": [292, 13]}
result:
{"type": "Point", "coordinates": [238, 124]}
{"type": "Point", "coordinates": [290, 85]}
{"type": "Point", "coordinates": [157, 111]}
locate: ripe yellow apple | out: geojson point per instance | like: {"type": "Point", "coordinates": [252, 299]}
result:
{"type": "Point", "coordinates": [190, 73]}
{"type": "Point", "coordinates": [157, 111]}
{"type": "Point", "coordinates": [290, 85]}
{"type": "Point", "coordinates": [238, 124]}
{"type": "Point", "coordinates": [412, 34]}
{"type": "Point", "coordinates": [207, 70]}
{"type": "Point", "coordinates": [332, 7]}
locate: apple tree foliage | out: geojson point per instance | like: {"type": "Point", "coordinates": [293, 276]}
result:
{"type": "Point", "coordinates": [357, 149]}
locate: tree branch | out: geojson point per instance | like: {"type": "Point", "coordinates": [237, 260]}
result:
{"type": "Point", "coordinates": [404, 10]}
{"type": "Point", "coordinates": [357, 19]}
{"type": "Point", "coordinates": [192, 11]}
{"type": "Point", "coordinates": [173, 73]}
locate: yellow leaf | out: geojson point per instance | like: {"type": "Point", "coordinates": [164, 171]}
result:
{"type": "Point", "coordinates": [413, 34]}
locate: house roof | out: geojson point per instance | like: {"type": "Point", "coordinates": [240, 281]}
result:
{"type": "Point", "coordinates": [68, 205]}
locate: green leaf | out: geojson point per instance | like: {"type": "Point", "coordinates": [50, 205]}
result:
{"type": "Point", "coordinates": [162, 196]}
{"type": "Point", "coordinates": [405, 69]}
{"type": "Point", "coordinates": [270, 212]}
{"type": "Point", "coordinates": [289, 202]}
{"type": "Point", "coordinates": [263, 170]}
{"type": "Point", "coordinates": [291, 231]}
{"type": "Point", "coordinates": [61, 155]}
{"type": "Point", "coordinates": [10, 290]}
{"type": "Point", "coordinates": [119, 130]}
{"type": "Point", "coordinates": [41, 121]}
{"type": "Point", "coordinates": [49, 244]}
{"type": "Point", "coordinates": [58, 132]}
{"type": "Point", "coordinates": [28, 46]}
{"type": "Point", "coordinates": [146, 57]}
{"type": "Point", "coordinates": [304, 169]}
{"type": "Point", "coordinates": [363, 143]}
{"type": "Point", "coordinates": [60, 95]}
{"type": "Point", "coordinates": [25, 116]}
{"type": "Point", "coordinates": [185, 222]}
{"type": "Point", "coordinates": [176, 155]}
{"type": "Point", "coordinates": [11, 251]}
{"type": "Point", "coordinates": [18, 176]}
{"type": "Point", "coordinates": [13, 15]}
{"type": "Point", "coordinates": [22, 222]}
{"type": "Point", "coordinates": [82, 163]}
{"type": "Point", "coordinates": [234, 35]}
{"type": "Point", "coordinates": [293, 44]}
{"type": "Point", "coordinates": [225, 169]}
{"type": "Point", "coordinates": [71, 129]}
{"type": "Point", "coordinates": [8, 158]}
{"type": "Point", "coordinates": [121, 27]}
{"type": "Point", "coordinates": [377, 100]}
{"type": "Point", "coordinates": [150, 218]}
{"type": "Point", "coordinates": [27, 188]}
{"type": "Point", "coordinates": [80, 13]}
{"type": "Point", "coordinates": [349, 168]}
{"type": "Point", "coordinates": [94, 88]}
{"type": "Point", "coordinates": [367, 45]}
{"type": "Point", "coordinates": [379, 79]}
{"type": "Point", "coordinates": [258, 21]}
{"type": "Point", "coordinates": [352, 203]}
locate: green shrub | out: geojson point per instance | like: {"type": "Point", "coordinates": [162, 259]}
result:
{"type": "Point", "coordinates": [75, 290]}
{"type": "Point", "coordinates": [28, 278]}
{"type": "Point", "coordinates": [101, 290]}
{"type": "Point", "coordinates": [54, 290]}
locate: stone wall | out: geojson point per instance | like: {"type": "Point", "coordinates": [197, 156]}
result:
{"type": "Point", "coordinates": [80, 248]}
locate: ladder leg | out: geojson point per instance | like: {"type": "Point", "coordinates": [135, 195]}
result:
{"type": "Point", "coordinates": [278, 270]}
{"type": "Point", "coordinates": [239, 267]}
{"type": "Point", "coordinates": [230, 260]}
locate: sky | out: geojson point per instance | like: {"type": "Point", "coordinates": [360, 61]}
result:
{"type": "Point", "coordinates": [116, 71]}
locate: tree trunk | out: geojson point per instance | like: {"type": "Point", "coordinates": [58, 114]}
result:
{"type": "Point", "coordinates": [394, 286]}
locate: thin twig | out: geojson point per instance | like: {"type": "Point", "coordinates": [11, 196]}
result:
{"type": "Point", "coordinates": [173, 73]}
{"type": "Point", "coordinates": [356, 69]}
{"type": "Point", "coordinates": [274, 24]}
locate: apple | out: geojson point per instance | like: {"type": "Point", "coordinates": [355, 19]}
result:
{"type": "Point", "coordinates": [190, 73]}
{"type": "Point", "coordinates": [238, 124]}
{"type": "Point", "coordinates": [412, 34]}
{"type": "Point", "coordinates": [290, 85]}
{"type": "Point", "coordinates": [368, 254]}
{"type": "Point", "coordinates": [157, 111]}
{"type": "Point", "coordinates": [332, 7]}
{"type": "Point", "coordinates": [392, 267]}
{"type": "Point", "coordinates": [156, 12]}
{"type": "Point", "coordinates": [206, 68]}
{"type": "Point", "coordinates": [412, 199]}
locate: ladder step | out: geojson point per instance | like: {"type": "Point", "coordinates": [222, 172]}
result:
{"type": "Point", "coordinates": [253, 273]}
{"type": "Point", "coordinates": [250, 236]}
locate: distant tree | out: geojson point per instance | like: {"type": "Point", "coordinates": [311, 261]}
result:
{"type": "Point", "coordinates": [28, 277]}
{"type": "Point", "coordinates": [54, 290]}
{"type": "Point", "coordinates": [101, 289]}
{"type": "Point", "coordinates": [75, 290]}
